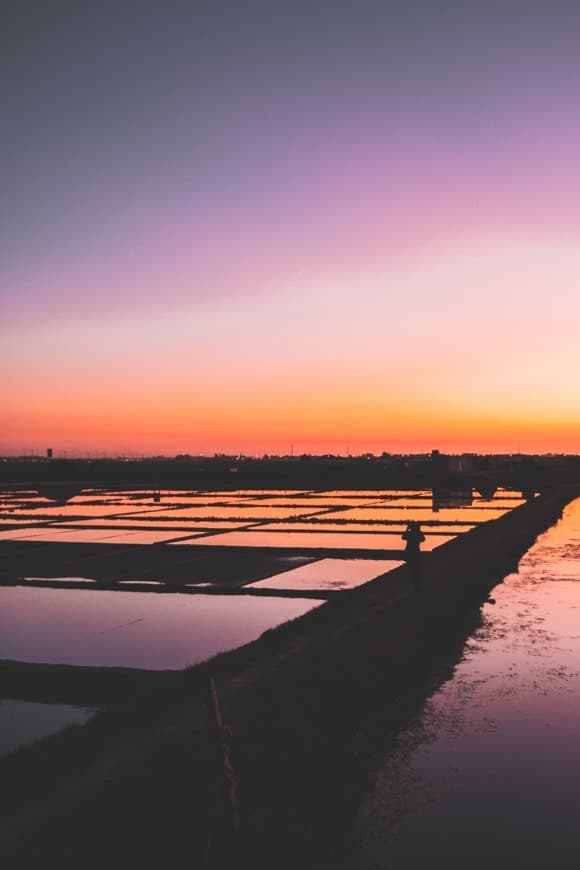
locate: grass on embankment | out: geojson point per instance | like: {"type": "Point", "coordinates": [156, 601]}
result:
{"type": "Point", "coordinates": [308, 703]}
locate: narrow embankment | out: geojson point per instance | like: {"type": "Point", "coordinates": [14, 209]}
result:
{"type": "Point", "coordinates": [307, 704]}
{"type": "Point", "coordinates": [74, 684]}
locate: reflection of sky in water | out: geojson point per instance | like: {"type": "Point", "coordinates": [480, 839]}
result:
{"type": "Point", "coordinates": [17, 521]}
{"type": "Point", "coordinates": [158, 524]}
{"type": "Point", "coordinates": [329, 574]}
{"type": "Point", "coordinates": [250, 512]}
{"type": "Point", "coordinates": [66, 510]}
{"type": "Point", "coordinates": [508, 503]}
{"type": "Point", "coordinates": [488, 776]}
{"type": "Point", "coordinates": [330, 540]}
{"type": "Point", "coordinates": [445, 515]}
{"type": "Point", "coordinates": [132, 629]}
{"type": "Point", "coordinates": [169, 500]}
{"type": "Point", "coordinates": [91, 536]}
{"type": "Point", "coordinates": [341, 518]}
{"type": "Point", "coordinates": [388, 493]}
{"type": "Point", "coordinates": [23, 722]}
{"type": "Point", "coordinates": [391, 528]}
{"type": "Point", "coordinates": [312, 501]}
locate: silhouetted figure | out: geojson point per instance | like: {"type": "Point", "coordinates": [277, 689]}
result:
{"type": "Point", "coordinates": [414, 538]}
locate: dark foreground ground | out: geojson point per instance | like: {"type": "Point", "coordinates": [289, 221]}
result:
{"type": "Point", "coordinates": [309, 705]}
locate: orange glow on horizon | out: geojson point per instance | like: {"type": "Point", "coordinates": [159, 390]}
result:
{"type": "Point", "coordinates": [366, 360]}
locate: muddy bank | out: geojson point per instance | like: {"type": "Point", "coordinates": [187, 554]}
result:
{"type": "Point", "coordinates": [73, 684]}
{"type": "Point", "coordinates": [308, 704]}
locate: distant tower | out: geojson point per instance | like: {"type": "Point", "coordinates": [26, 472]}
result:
{"type": "Point", "coordinates": [49, 452]}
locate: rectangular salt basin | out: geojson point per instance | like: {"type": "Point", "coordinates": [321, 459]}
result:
{"type": "Point", "coordinates": [144, 500]}
{"type": "Point", "coordinates": [386, 529]}
{"type": "Point", "coordinates": [64, 511]}
{"type": "Point", "coordinates": [311, 501]}
{"type": "Point", "coordinates": [58, 534]}
{"type": "Point", "coordinates": [257, 493]}
{"type": "Point", "coordinates": [19, 521]}
{"type": "Point", "coordinates": [313, 540]}
{"type": "Point", "coordinates": [20, 501]}
{"type": "Point", "coordinates": [159, 525]}
{"type": "Point", "coordinates": [132, 629]}
{"type": "Point", "coordinates": [415, 501]}
{"type": "Point", "coordinates": [147, 537]}
{"type": "Point", "coordinates": [125, 496]}
{"type": "Point", "coordinates": [200, 501]}
{"type": "Point", "coordinates": [375, 493]}
{"type": "Point", "coordinates": [329, 574]}
{"type": "Point", "coordinates": [248, 512]}
{"type": "Point", "coordinates": [402, 514]}
{"type": "Point", "coordinates": [493, 503]}
{"type": "Point", "coordinates": [321, 526]}
{"type": "Point", "coordinates": [23, 722]}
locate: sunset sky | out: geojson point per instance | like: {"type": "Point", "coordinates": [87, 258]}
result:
{"type": "Point", "coordinates": [237, 225]}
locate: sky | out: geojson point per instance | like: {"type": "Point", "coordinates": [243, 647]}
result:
{"type": "Point", "coordinates": [240, 225]}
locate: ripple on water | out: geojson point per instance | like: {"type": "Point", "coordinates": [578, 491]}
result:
{"type": "Point", "coordinates": [487, 775]}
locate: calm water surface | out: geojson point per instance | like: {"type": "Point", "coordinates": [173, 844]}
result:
{"type": "Point", "coordinates": [123, 517]}
{"type": "Point", "coordinates": [406, 513]}
{"type": "Point", "coordinates": [329, 574]}
{"type": "Point", "coordinates": [132, 629]}
{"type": "Point", "coordinates": [23, 722]}
{"type": "Point", "coordinates": [315, 540]}
{"type": "Point", "coordinates": [59, 534]}
{"type": "Point", "coordinates": [488, 776]}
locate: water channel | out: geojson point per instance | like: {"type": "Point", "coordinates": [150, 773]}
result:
{"type": "Point", "coordinates": [487, 775]}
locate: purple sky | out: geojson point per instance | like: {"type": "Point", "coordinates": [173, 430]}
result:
{"type": "Point", "coordinates": [296, 214]}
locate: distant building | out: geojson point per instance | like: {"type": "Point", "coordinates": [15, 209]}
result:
{"type": "Point", "coordinates": [444, 463]}
{"type": "Point", "coordinates": [49, 452]}
{"type": "Point", "coordinates": [458, 464]}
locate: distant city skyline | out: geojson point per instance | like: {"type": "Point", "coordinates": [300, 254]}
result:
{"type": "Point", "coordinates": [232, 226]}
{"type": "Point", "coordinates": [295, 451]}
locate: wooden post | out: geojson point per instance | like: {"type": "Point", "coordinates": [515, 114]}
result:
{"type": "Point", "coordinates": [225, 738]}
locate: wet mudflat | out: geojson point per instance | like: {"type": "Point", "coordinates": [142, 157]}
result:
{"type": "Point", "coordinates": [487, 775]}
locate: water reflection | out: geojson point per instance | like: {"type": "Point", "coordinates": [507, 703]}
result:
{"type": "Point", "coordinates": [88, 510]}
{"type": "Point", "coordinates": [329, 574]}
{"type": "Point", "coordinates": [488, 775]}
{"type": "Point", "coordinates": [249, 512]}
{"type": "Point", "coordinates": [132, 629]}
{"type": "Point", "coordinates": [445, 515]}
{"type": "Point", "coordinates": [23, 722]}
{"type": "Point", "coordinates": [59, 534]}
{"type": "Point", "coordinates": [323, 525]}
{"type": "Point", "coordinates": [316, 540]}
{"type": "Point", "coordinates": [107, 508]}
{"type": "Point", "coordinates": [158, 524]}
